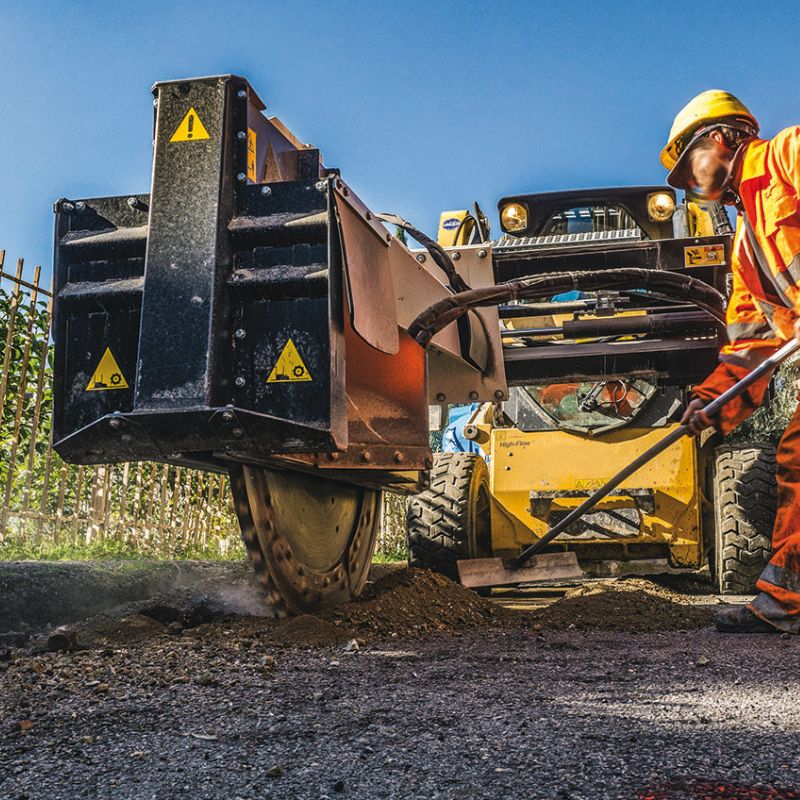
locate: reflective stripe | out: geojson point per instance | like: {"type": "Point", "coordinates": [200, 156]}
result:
{"type": "Point", "coordinates": [794, 269]}
{"type": "Point", "coordinates": [770, 610]}
{"type": "Point", "coordinates": [749, 330]}
{"type": "Point", "coordinates": [778, 283]}
{"type": "Point", "coordinates": [778, 576]}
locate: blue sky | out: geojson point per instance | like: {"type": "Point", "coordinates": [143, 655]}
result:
{"type": "Point", "coordinates": [424, 106]}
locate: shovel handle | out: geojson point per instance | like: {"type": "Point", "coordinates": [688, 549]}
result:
{"type": "Point", "coordinates": [764, 368]}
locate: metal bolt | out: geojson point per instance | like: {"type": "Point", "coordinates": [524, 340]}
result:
{"type": "Point", "coordinates": [366, 456]}
{"type": "Point", "coordinates": [241, 135]}
{"type": "Point", "coordinates": [115, 423]}
{"type": "Point", "coordinates": [133, 202]}
{"type": "Point", "coordinates": [321, 186]}
{"type": "Point", "coordinates": [67, 206]}
{"type": "Point", "coordinates": [440, 398]}
{"type": "Point", "coordinates": [80, 206]}
{"type": "Point", "coordinates": [482, 253]}
{"type": "Point", "coordinates": [238, 433]}
{"type": "Point", "coordinates": [240, 381]}
{"type": "Point", "coordinates": [421, 258]}
{"type": "Point", "coordinates": [227, 416]}
{"type": "Point", "coordinates": [455, 256]}
{"type": "Point", "coordinates": [155, 101]}
{"type": "Point", "coordinates": [266, 190]}
{"type": "Point", "coordinates": [240, 333]}
{"type": "Point", "coordinates": [473, 395]}
{"type": "Point", "coordinates": [241, 93]}
{"type": "Point", "coordinates": [241, 177]}
{"type": "Point", "coordinates": [399, 457]}
{"type": "Point", "coordinates": [333, 456]}
{"type": "Point", "coordinates": [498, 393]}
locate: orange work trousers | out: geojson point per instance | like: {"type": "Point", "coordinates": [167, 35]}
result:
{"type": "Point", "coordinates": [778, 601]}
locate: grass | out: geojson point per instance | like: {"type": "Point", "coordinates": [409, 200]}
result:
{"type": "Point", "coordinates": [111, 551]}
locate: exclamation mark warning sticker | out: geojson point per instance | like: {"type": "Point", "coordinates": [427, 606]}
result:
{"type": "Point", "coordinates": [191, 128]}
{"type": "Point", "coordinates": [107, 375]}
{"type": "Point", "coordinates": [290, 367]}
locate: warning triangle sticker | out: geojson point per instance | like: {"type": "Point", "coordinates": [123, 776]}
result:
{"type": "Point", "coordinates": [107, 376]}
{"type": "Point", "coordinates": [290, 367]}
{"type": "Point", "coordinates": [191, 128]}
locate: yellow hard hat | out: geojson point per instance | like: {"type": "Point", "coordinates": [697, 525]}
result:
{"type": "Point", "coordinates": [709, 107]}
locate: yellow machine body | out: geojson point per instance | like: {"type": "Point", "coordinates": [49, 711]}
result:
{"type": "Point", "coordinates": [537, 477]}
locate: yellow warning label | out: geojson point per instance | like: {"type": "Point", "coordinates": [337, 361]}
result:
{"type": "Point", "coordinates": [107, 376]}
{"type": "Point", "coordinates": [704, 255]}
{"type": "Point", "coordinates": [251, 155]}
{"type": "Point", "coordinates": [289, 368]}
{"type": "Point", "coordinates": [191, 128]}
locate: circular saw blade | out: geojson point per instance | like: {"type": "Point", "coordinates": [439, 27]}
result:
{"type": "Point", "coordinates": [310, 539]}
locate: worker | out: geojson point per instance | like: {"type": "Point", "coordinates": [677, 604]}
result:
{"type": "Point", "coordinates": [714, 153]}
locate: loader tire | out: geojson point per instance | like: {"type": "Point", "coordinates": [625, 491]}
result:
{"type": "Point", "coordinates": [450, 520]}
{"type": "Point", "coordinates": [745, 501]}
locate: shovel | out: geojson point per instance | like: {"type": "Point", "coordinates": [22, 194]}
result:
{"type": "Point", "coordinates": [533, 566]}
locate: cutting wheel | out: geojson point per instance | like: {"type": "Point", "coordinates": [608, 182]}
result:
{"type": "Point", "coordinates": [310, 539]}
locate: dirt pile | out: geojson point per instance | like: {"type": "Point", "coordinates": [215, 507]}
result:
{"type": "Point", "coordinates": [623, 605]}
{"type": "Point", "coordinates": [309, 631]}
{"type": "Point", "coordinates": [413, 602]}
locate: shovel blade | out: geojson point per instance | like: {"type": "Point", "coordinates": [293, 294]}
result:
{"type": "Point", "coordinates": [477, 572]}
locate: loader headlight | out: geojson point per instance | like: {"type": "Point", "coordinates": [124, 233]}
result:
{"type": "Point", "coordinates": [660, 206]}
{"type": "Point", "coordinates": [514, 217]}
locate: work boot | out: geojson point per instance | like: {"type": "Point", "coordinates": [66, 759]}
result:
{"type": "Point", "coordinates": [740, 619]}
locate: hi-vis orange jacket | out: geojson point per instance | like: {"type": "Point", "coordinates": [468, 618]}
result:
{"type": "Point", "coordinates": [765, 299]}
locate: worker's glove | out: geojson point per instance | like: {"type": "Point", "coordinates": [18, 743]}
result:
{"type": "Point", "coordinates": [695, 419]}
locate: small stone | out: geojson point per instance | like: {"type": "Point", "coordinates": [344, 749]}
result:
{"type": "Point", "coordinates": [352, 646]}
{"type": "Point", "coordinates": [101, 688]}
{"type": "Point", "coordinates": [25, 724]}
{"type": "Point", "coordinates": [175, 628]}
{"type": "Point", "coordinates": [275, 772]}
{"type": "Point", "coordinates": [702, 661]}
{"type": "Point", "coordinates": [267, 661]}
{"type": "Point", "coordinates": [62, 639]}
{"type": "Point", "coordinates": [87, 739]}
{"type": "Point", "coordinates": [205, 679]}
{"type": "Point", "coordinates": [786, 635]}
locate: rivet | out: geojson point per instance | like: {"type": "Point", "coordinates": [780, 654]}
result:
{"type": "Point", "coordinates": [455, 256]}
{"type": "Point", "coordinates": [227, 416]}
{"type": "Point", "coordinates": [240, 381]}
{"type": "Point", "coordinates": [473, 395]}
{"type": "Point", "coordinates": [241, 177]}
{"type": "Point", "coordinates": [321, 186]}
{"type": "Point", "coordinates": [266, 190]}
{"type": "Point", "coordinates": [67, 206]}
{"type": "Point", "coordinates": [241, 93]}
{"type": "Point", "coordinates": [240, 135]}
{"type": "Point", "coordinates": [237, 433]}
{"type": "Point", "coordinates": [498, 393]}
{"type": "Point", "coordinates": [80, 206]}
{"type": "Point", "coordinates": [440, 398]}
{"type": "Point", "coordinates": [482, 253]}
{"type": "Point", "coordinates": [399, 457]}
{"type": "Point", "coordinates": [421, 258]}
{"type": "Point", "coordinates": [155, 101]}
{"type": "Point", "coordinates": [333, 456]}
{"type": "Point", "coordinates": [115, 423]}
{"type": "Point", "coordinates": [240, 333]}
{"type": "Point", "coordinates": [366, 456]}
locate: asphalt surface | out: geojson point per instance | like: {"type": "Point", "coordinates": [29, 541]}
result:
{"type": "Point", "coordinates": [482, 714]}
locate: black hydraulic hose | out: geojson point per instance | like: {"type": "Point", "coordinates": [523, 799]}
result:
{"type": "Point", "coordinates": [673, 284]}
{"type": "Point", "coordinates": [435, 250]}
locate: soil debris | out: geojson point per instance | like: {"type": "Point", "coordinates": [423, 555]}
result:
{"type": "Point", "coordinates": [412, 602]}
{"type": "Point", "coordinates": [623, 605]}
{"type": "Point", "coordinates": [310, 631]}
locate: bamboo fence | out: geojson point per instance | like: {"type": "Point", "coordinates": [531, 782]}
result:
{"type": "Point", "coordinates": [48, 505]}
